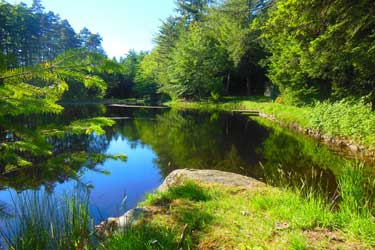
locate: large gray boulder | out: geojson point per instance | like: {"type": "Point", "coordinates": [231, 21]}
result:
{"type": "Point", "coordinates": [209, 177]}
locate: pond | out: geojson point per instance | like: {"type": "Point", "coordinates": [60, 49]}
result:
{"type": "Point", "coordinates": [156, 142]}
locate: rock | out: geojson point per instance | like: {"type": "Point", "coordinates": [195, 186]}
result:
{"type": "Point", "coordinates": [340, 143]}
{"type": "Point", "coordinates": [105, 228]}
{"type": "Point", "coordinates": [245, 213]}
{"type": "Point", "coordinates": [209, 177]}
{"type": "Point", "coordinates": [282, 225]}
{"type": "Point", "coordinates": [353, 147]}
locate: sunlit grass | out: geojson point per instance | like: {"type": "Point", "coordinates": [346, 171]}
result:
{"type": "Point", "coordinates": [192, 215]}
{"type": "Point", "coordinates": [350, 119]}
{"type": "Point", "coordinates": [143, 237]}
{"type": "Point", "coordinates": [265, 218]}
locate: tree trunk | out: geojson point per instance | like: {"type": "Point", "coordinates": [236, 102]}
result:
{"type": "Point", "coordinates": [248, 86]}
{"type": "Point", "coordinates": [227, 87]}
{"type": "Point", "coordinates": [227, 126]}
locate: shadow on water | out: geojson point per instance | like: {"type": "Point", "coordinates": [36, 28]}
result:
{"type": "Point", "coordinates": [156, 143]}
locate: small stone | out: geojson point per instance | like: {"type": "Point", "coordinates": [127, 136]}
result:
{"type": "Point", "coordinates": [282, 225]}
{"type": "Point", "coordinates": [245, 213]}
{"type": "Point", "coordinates": [353, 147]}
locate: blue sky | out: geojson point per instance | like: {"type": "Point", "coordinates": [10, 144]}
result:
{"type": "Point", "coordinates": [123, 24]}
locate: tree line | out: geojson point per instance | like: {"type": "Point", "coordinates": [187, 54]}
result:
{"type": "Point", "coordinates": [300, 51]}
{"type": "Point", "coordinates": [31, 39]}
{"type": "Point", "coordinates": [306, 51]}
{"type": "Point", "coordinates": [29, 35]}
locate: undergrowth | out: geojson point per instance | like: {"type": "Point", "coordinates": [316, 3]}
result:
{"type": "Point", "coordinates": [348, 119]}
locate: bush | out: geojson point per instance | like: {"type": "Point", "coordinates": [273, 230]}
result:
{"type": "Point", "coordinates": [347, 118]}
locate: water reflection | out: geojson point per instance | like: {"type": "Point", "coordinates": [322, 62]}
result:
{"type": "Point", "coordinates": [157, 142]}
{"type": "Point", "coordinates": [42, 150]}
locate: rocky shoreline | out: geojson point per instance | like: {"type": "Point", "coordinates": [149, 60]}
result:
{"type": "Point", "coordinates": [339, 144]}
{"type": "Point", "coordinates": [179, 176]}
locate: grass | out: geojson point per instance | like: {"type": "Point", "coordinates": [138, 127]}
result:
{"type": "Point", "coordinates": [218, 217]}
{"type": "Point", "coordinates": [173, 232]}
{"type": "Point", "coordinates": [349, 119]}
{"type": "Point", "coordinates": [197, 216]}
{"type": "Point", "coordinates": [202, 216]}
{"type": "Point", "coordinates": [143, 237]}
{"type": "Point", "coordinates": [46, 222]}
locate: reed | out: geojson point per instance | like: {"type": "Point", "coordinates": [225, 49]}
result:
{"type": "Point", "coordinates": [47, 221]}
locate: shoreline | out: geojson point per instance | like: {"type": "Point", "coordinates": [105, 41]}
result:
{"type": "Point", "coordinates": [341, 144]}
{"type": "Point", "coordinates": [211, 209]}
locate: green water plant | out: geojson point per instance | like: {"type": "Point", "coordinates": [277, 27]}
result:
{"type": "Point", "coordinates": [45, 221]}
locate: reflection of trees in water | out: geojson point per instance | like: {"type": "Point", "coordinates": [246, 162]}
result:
{"type": "Point", "coordinates": [68, 158]}
{"type": "Point", "coordinates": [233, 143]}
{"type": "Point", "coordinates": [181, 139]}
{"type": "Point", "coordinates": [291, 159]}
{"type": "Point", "coordinates": [41, 150]}
{"type": "Point", "coordinates": [200, 140]}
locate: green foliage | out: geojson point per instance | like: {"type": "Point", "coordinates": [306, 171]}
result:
{"type": "Point", "coordinates": [89, 126]}
{"type": "Point", "coordinates": [195, 65]}
{"type": "Point", "coordinates": [312, 50]}
{"type": "Point", "coordinates": [154, 68]}
{"type": "Point", "coordinates": [137, 73]}
{"type": "Point", "coordinates": [30, 35]}
{"type": "Point", "coordinates": [29, 157]}
{"type": "Point", "coordinates": [36, 89]}
{"type": "Point", "coordinates": [351, 119]}
{"type": "Point", "coordinates": [203, 45]}
{"type": "Point", "coordinates": [348, 118]}
{"type": "Point", "coordinates": [299, 242]}
{"type": "Point", "coordinates": [320, 49]}
{"type": "Point", "coordinates": [192, 10]}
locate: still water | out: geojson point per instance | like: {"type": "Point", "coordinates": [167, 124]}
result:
{"type": "Point", "coordinates": [156, 142]}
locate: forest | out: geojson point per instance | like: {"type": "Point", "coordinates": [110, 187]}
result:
{"type": "Point", "coordinates": [299, 51]}
{"type": "Point", "coordinates": [307, 67]}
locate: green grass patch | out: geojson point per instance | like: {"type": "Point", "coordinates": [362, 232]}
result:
{"type": "Point", "coordinates": [143, 237]}
{"type": "Point", "coordinates": [218, 217]}
{"type": "Point", "coordinates": [201, 216]}
{"type": "Point", "coordinates": [189, 191]}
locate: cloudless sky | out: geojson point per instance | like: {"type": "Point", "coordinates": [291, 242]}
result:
{"type": "Point", "coordinates": [123, 24]}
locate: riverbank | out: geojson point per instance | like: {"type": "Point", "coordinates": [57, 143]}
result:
{"type": "Point", "coordinates": [209, 209]}
{"type": "Point", "coordinates": [107, 101]}
{"type": "Point", "coordinates": [344, 125]}
{"type": "Point", "coordinates": [204, 209]}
